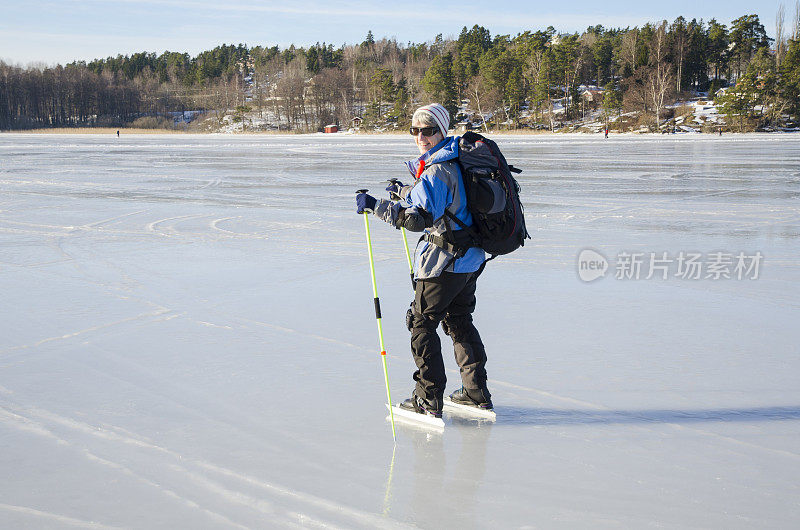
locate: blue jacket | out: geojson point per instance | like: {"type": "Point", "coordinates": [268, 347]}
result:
{"type": "Point", "coordinates": [439, 187]}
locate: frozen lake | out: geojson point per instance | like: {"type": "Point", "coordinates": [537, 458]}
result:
{"type": "Point", "coordinates": [188, 338]}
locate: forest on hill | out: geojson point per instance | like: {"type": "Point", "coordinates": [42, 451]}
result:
{"type": "Point", "coordinates": [535, 79]}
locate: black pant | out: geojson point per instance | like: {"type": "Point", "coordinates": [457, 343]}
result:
{"type": "Point", "coordinates": [449, 299]}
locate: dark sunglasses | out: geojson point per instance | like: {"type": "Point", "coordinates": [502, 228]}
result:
{"type": "Point", "coordinates": [426, 131]}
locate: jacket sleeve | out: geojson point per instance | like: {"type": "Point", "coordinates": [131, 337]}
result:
{"type": "Point", "coordinates": [405, 191]}
{"type": "Point", "coordinates": [400, 215]}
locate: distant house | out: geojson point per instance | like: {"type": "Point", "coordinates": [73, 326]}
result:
{"type": "Point", "coordinates": [356, 122]}
{"type": "Point", "coordinates": [463, 126]}
{"type": "Point", "coordinates": [332, 128]}
{"type": "Point", "coordinates": [592, 96]}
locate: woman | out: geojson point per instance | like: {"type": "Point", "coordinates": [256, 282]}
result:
{"type": "Point", "coordinates": [445, 273]}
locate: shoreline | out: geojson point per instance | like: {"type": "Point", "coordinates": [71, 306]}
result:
{"type": "Point", "coordinates": [521, 132]}
{"type": "Point", "coordinates": [93, 130]}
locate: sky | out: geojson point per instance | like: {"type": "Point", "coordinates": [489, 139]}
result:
{"type": "Point", "coordinates": [50, 32]}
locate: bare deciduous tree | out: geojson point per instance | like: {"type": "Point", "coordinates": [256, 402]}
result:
{"type": "Point", "coordinates": [780, 39]}
{"type": "Point", "coordinates": [629, 48]}
{"type": "Point", "coordinates": [659, 81]}
{"type": "Point", "coordinates": [680, 40]}
{"type": "Point", "coordinates": [481, 95]}
{"type": "Point", "coordinates": [796, 24]}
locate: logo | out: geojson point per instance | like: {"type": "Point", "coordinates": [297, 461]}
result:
{"type": "Point", "coordinates": [591, 265]}
{"type": "Point", "coordinates": [684, 265]}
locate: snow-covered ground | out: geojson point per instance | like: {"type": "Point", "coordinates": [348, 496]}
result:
{"type": "Point", "coordinates": [188, 339]}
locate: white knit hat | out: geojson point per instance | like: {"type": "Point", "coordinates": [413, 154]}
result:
{"type": "Point", "coordinates": [433, 114]}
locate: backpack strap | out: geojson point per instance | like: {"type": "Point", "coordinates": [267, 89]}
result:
{"type": "Point", "coordinates": [468, 229]}
{"type": "Point", "coordinates": [445, 245]}
{"type": "Point", "coordinates": [450, 241]}
{"type": "Point", "coordinates": [456, 251]}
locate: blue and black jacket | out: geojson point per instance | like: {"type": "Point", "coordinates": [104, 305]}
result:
{"type": "Point", "coordinates": [438, 186]}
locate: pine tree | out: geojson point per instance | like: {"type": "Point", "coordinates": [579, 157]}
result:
{"type": "Point", "coordinates": [612, 99]}
{"type": "Point", "coordinates": [439, 82]}
{"type": "Point", "coordinates": [789, 85]}
{"type": "Point", "coordinates": [747, 36]}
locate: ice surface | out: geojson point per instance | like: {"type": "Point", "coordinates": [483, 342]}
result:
{"type": "Point", "coordinates": [188, 339]}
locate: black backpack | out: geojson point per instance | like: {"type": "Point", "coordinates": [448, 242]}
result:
{"type": "Point", "coordinates": [492, 199]}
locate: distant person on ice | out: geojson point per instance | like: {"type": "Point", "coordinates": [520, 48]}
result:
{"type": "Point", "coordinates": [445, 281]}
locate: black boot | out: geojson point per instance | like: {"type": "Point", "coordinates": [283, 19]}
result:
{"type": "Point", "coordinates": [420, 406]}
{"type": "Point", "coordinates": [479, 398]}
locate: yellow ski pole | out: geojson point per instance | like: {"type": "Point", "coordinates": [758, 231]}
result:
{"type": "Point", "coordinates": [408, 253]}
{"type": "Point", "coordinates": [408, 257]}
{"type": "Point", "coordinates": [378, 318]}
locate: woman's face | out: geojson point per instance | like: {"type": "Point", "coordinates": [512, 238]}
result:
{"type": "Point", "coordinates": [425, 143]}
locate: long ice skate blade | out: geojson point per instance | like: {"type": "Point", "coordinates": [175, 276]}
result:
{"type": "Point", "coordinates": [409, 416]}
{"type": "Point", "coordinates": [466, 410]}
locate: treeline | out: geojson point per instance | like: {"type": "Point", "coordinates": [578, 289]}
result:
{"type": "Point", "coordinates": [531, 79]}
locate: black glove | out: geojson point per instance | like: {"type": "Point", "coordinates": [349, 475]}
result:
{"type": "Point", "coordinates": [394, 188]}
{"type": "Point", "coordinates": [365, 203]}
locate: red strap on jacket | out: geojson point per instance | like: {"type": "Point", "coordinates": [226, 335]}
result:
{"type": "Point", "coordinates": [420, 169]}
